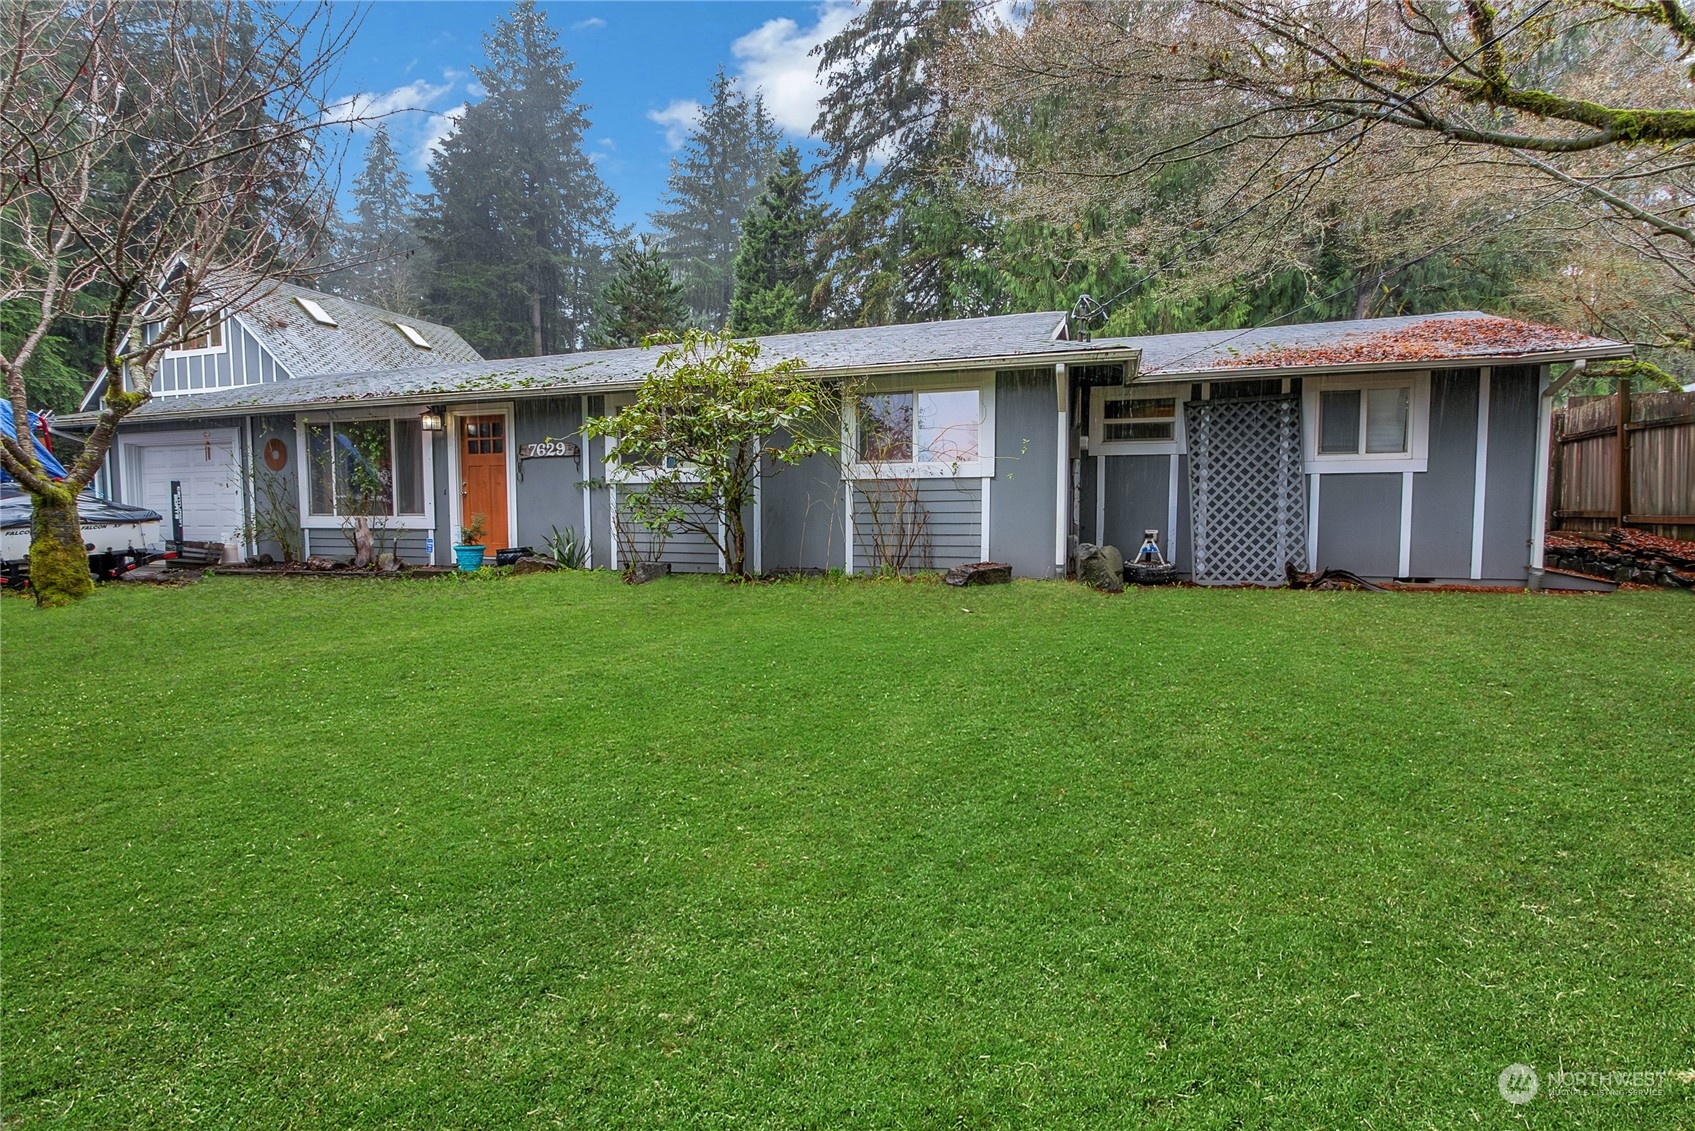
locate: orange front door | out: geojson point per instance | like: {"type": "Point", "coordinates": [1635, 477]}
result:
{"type": "Point", "coordinates": [482, 467]}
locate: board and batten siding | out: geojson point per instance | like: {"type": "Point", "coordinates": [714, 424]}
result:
{"type": "Point", "coordinates": [1360, 519]}
{"type": "Point", "coordinates": [549, 489]}
{"type": "Point", "coordinates": [242, 361]}
{"type": "Point", "coordinates": [800, 522]}
{"type": "Point", "coordinates": [1023, 489]}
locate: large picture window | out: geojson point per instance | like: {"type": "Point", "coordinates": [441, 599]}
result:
{"type": "Point", "coordinates": [940, 427]}
{"type": "Point", "coordinates": [365, 468]}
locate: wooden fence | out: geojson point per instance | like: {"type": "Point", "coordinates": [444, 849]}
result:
{"type": "Point", "coordinates": [1625, 466]}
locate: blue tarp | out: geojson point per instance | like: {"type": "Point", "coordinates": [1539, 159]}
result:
{"type": "Point", "coordinates": [53, 466]}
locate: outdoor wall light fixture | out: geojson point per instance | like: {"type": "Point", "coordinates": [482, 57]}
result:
{"type": "Point", "coordinates": [433, 419]}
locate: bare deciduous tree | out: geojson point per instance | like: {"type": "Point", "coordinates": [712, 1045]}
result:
{"type": "Point", "coordinates": [162, 165]}
{"type": "Point", "coordinates": [1239, 119]}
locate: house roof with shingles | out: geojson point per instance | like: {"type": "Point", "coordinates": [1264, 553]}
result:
{"type": "Point", "coordinates": [1418, 341]}
{"type": "Point", "coordinates": [364, 338]}
{"type": "Point", "coordinates": [1005, 341]}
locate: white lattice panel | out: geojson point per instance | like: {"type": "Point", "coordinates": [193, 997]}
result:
{"type": "Point", "coordinates": [1247, 489]}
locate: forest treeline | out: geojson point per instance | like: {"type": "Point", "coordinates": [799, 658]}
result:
{"type": "Point", "coordinates": [1150, 166]}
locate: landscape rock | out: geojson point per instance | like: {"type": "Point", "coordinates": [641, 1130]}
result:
{"type": "Point", "coordinates": [643, 572]}
{"type": "Point", "coordinates": [979, 573]}
{"type": "Point", "coordinates": [320, 564]}
{"type": "Point", "coordinates": [1101, 566]}
{"type": "Point", "coordinates": [534, 563]}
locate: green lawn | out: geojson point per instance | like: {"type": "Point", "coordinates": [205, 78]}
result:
{"type": "Point", "coordinates": [556, 851]}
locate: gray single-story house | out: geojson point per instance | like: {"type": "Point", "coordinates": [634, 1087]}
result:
{"type": "Point", "coordinates": [1410, 447]}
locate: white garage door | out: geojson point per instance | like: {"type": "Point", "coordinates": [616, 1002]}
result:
{"type": "Point", "coordinates": [211, 483]}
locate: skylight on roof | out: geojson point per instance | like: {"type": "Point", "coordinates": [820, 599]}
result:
{"type": "Point", "coordinates": [413, 336]}
{"type": "Point", "coordinates": [318, 313]}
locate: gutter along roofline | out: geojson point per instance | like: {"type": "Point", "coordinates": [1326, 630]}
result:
{"type": "Point", "coordinates": [1237, 372]}
{"type": "Point", "coordinates": [1085, 353]}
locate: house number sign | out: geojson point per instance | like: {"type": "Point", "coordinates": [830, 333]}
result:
{"type": "Point", "coordinates": [547, 449]}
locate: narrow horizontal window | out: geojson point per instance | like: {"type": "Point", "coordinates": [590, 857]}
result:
{"type": "Point", "coordinates": [1147, 419]}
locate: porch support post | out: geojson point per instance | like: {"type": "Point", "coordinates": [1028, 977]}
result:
{"type": "Point", "coordinates": [1062, 467]}
{"type": "Point", "coordinates": [1623, 448]}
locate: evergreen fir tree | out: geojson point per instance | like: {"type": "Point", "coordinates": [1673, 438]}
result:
{"type": "Point", "coordinates": [381, 244]}
{"type": "Point", "coordinates": [641, 298]}
{"type": "Point", "coordinates": [523, 224]}
{"type": "Point", "coordinates": [776, 270]}
{"type": "Point", "coordinates": [713, 182]}
{"type": "Point", "coordinates": [910, 247]}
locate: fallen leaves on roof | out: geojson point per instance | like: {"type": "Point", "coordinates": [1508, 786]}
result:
{"type": "Point", "coordinates": [1434, 339]}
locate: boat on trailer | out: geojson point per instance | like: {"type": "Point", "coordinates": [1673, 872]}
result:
{"type": "Point", "coordinates": [118, 537]}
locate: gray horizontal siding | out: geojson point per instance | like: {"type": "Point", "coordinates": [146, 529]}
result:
{"type": "Point", "coordinates": [687, 551]}
{"type": "Point", "coordinates": [337, 546]}
{"type": "Point", "coordinates": [917, 523]}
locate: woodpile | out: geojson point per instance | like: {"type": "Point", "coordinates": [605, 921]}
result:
{"type": "Point", "coordinates": [1622, 555]}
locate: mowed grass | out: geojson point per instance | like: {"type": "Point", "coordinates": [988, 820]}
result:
{"type": "Point", "coordinates": [557, 851]}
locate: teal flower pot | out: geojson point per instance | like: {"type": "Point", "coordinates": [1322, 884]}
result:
{"type": "Point", "coordinates": [470, 558]}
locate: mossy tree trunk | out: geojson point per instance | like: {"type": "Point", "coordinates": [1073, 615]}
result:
{"type": "Point", "coordinates": [58, 560]}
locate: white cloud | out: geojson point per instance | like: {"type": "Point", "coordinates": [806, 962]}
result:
{"type": "Point", "coordinates": [370, 108]}
{"type": "Point", "coordinates": [476, 90]}
{"type": "Point", "coordinates": [589, 24]}
{"type": "Point", "coordinates": [777, 59]}
{"type": "Point", "coordinates": [440, 126]}
{"type": "Point", "coordinates": [678, 118]}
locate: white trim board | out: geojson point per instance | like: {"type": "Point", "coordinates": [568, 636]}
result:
{"type": "Point", "coordinates": [1480, 480]}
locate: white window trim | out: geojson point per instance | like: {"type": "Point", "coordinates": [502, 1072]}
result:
{"type": "Point", "coordinates": [223, 345]}
{"type": "Point", "coordinates": [310, 521]}
{"type": "Point", "coordinates": [616, 472]}
{"type": "Point", "coordinates": [1417, 456]}
{"type": "Point", "coordinates": [1100, 394]}
{"type": "Point", "coordinates": [983, 467]}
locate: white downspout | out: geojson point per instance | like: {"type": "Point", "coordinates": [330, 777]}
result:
{"type": "Point", "coordinates": [1062, 465]}
{"type": "Point", "coordinates": [1539, 496]}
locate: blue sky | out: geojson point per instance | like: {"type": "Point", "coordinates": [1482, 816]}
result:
{"type": "Point", "coordinates": [644, 68]}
